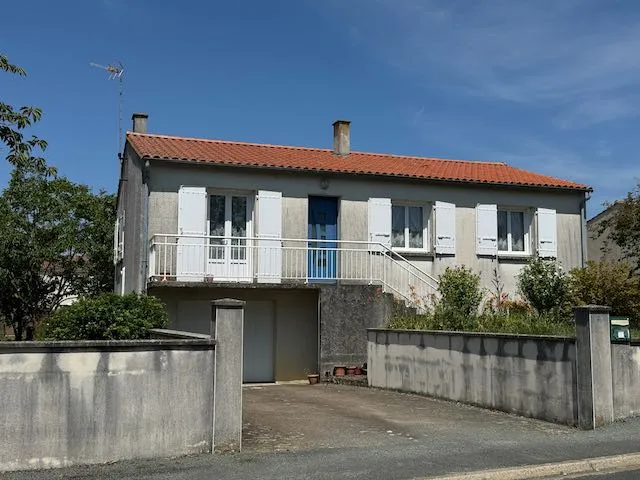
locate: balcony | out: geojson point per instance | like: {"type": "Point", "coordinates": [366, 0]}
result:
{"type": "Point", "coordinates": [192, 258]}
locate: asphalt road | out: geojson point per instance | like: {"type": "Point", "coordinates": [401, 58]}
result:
{"type": "Point", "coordinates": [330, 432]}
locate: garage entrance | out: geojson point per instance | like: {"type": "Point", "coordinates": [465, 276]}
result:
{"type": "Point", "coordinates": [280, 340]}
{"type": "Point", "coordinates": [259, 342]}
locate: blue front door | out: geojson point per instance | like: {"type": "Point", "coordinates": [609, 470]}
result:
{"type": "Point", "coordinates": [323, 233]}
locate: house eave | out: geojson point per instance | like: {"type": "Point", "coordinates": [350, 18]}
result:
{"type": "Point", "coordinates": [451, 181]}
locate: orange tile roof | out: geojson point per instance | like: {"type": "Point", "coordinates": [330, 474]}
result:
{"type": "Point", "coordinates": [220, 152]}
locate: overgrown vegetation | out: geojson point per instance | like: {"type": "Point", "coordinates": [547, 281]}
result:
{"type": "Point", "coordinates": [106, 317]}
{"type": "Point", "coordinates": [624, 227]}
{"type": "Point", "coordinates": [544, 304]}
{"type": "Point", "coordinates": [607, 283]}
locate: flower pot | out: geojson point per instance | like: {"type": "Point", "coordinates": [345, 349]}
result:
{"type": "Point", "coordinates": [313, 378]}
{"type": "Point", "coordinates": [358, 371]}
{"type": "Point", "coordinates": [339, 371]}
{"type": "Point", "coordinates": [351, 370]}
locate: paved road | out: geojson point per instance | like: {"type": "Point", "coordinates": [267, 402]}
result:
{"type": "Point", "coordinates": [331, 431]}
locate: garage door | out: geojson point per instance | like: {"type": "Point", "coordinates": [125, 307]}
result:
{"type": "Point", "coordinates": [259, 341]}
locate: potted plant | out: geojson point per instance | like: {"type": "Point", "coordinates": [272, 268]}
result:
{"type": "Point", "coordinates": [351, 370]}
{"type": "Point", "coordinates": [339, 371]}
{"type": "Point", "coordinates": [312, 376]}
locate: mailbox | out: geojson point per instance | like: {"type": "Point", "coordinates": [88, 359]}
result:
{"type": "Point", "coordinates": [620, 329]}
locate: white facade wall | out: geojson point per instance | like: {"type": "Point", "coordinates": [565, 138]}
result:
{"type": "Point", "coordinates": [354, 193]}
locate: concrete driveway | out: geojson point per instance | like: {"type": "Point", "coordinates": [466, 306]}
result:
{"type": "Point", "coordinates": [324, 432]}
{"type": "Point", "coordinates": [281, 418]}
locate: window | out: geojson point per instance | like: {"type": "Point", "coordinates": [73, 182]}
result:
{"type": "Point", "coordinates": [228, 221]}
{"type": "Point", "coordinates": [513, 237]}
{"type": "Point", "coordinates": [408, 227]}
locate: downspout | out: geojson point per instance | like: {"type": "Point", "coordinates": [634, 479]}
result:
{"type": "Point", "coordinates": [144, 222]}
{"type": "Point", "coordinates": [583, 229]}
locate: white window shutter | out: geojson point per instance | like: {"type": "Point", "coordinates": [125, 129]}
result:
{"type": "Point", "coordinates": [379, 223]}
{"type": "Point", "coordinates": [547, 233]}
{"type": "Point", "coordinates": [445, 228]}
{"type": "Point", "coordinates": [269, 237]}
{"type": "Point", "coordinates": [122, 227]}
{"type": "Point", "coordinates": [487, 230]}
{"type": "Point", "coordinates": [116, 239]}
{"type": "Point", "coordinates": [192, 222]}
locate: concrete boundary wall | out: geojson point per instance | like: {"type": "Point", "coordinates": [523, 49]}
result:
{"type": "Point", "coordinates": [533, 376]}
{"type": "Point", "coordinates": [625, 366]}
{"type": "Point", "coordinates": [67, 403]}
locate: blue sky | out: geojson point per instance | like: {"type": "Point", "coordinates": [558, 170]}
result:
{"type": "Point", "coordinates": [550, 86]}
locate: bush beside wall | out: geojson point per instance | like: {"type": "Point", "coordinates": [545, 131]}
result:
{"type": "Point", "coordinates": [106, 317]}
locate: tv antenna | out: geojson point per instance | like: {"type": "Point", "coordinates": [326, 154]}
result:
{"type": "Point", "coordinates": [115, 71]}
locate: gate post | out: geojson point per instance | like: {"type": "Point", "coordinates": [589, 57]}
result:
{"type": "Point", "coordinates": [227, 320]}
{"type": "Point", "coordinates": [593, 365]}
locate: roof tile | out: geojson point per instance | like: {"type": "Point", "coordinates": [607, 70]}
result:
{"type": "Point", "coordinates": [324, 160]}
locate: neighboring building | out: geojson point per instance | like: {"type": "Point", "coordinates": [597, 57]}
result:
{"type": "Point", "coordinates": [315, 239]}
{"type": "Point", "coordinates": [599, 245]}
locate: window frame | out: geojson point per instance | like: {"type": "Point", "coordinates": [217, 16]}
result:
{"type": "Point", "coordinates": [228, 219]}
{"type": "Point", "coordinates": [526, 229]}
{"type": "Point", "coordinates": [426, 227]}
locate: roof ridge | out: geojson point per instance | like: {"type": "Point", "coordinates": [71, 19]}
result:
{"type": "Point", "coordinates": [315, 149]}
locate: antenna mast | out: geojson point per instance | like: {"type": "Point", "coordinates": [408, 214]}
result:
{"type": "Point", "coordinates": [115, 71]}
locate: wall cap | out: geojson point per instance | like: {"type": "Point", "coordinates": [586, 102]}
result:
{"type": "Point", "coordinates": [593, 308]}
{"type": "Point", "coordinates": [228, 303]}
{"type": "Point", "coordinates": [513, 336]}
{"type": "Point", "coordinates": [61, 346]}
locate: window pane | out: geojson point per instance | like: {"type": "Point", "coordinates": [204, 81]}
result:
{"type": "Point", "coordinates": [415, 227]}
{"type": "Point", "coordinates": [397, 226]}
{"type": "Point", "coordinates": [517, 231]}
{"type": "Point", "coordinates": [503, 244]}
{"type": "Point", "coordinates": [216, 225]}
{"type": "Point", "coordinates": [238, 226]}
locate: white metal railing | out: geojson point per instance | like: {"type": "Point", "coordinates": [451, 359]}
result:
{"type": "Point", "coordinates": [273, 260]}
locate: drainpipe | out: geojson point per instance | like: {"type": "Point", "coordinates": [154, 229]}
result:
{"type": "Point", "coordinates": [144, 222]}
{"type": "Point", "coordinates": [583, 229]}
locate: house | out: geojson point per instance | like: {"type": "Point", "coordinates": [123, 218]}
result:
{"type": "Point", "coordinates": [599, 245]}
{"type": "Point", "coordinates": [319, 242]}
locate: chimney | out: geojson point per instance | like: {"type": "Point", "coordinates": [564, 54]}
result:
{"type": "Point", "coordinates": [341, 138]}
{"type": "Point", "coordinates": [140, 122]}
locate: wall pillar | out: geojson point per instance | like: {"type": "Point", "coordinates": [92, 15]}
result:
{"type": "Point", "coordinates": [593, 363]}
{"type": "Point", "coordinates": [227, 320]}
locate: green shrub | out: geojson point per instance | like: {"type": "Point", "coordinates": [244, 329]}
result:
{"type": "Point", "coordinates": [607, 283]}
{"type": "Point", "coordinates": [545, 287]}
{"type": "Point", "coordinates": [459, 289]}
{"type": "Point", "coordinates": [106, 317]}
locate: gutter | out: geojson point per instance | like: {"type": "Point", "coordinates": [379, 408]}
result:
{"type": "Point", "coordinates": [583, 226]}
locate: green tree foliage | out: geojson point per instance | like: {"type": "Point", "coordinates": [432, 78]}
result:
{"type": "Point", "coordinates": [57, 236]}
{"type": "Point", "coordinates": [57, 239]}
{"type": "Point", "coordinates": [624, 226]}
{"type": "Point", "coordinates": [106, 317]}
{"type": "Point", "coordinates": [607, 283]}
{"type": "Point", "coordinates": [13, 121]}
{"type": "Point", "coordinates": [544, 286]}
{"type": "Point", "coordinates": [460, 297]}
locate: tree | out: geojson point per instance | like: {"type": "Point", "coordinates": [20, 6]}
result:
{"type": "Point", "coordinates": [14, 120]}
{"type": "Point", "coordinates": [56, 241]}
{"type": "Point", "coordinates": [624, 226]}
{"type": "Point", "coordinates": [607, 283]}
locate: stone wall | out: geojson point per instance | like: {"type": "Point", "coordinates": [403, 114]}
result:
{"type": "Point", "coordinates": [346, 312]}
{"type": "Point", "coordinates": [533, 376]}
{"type": "Point", "coordinates": [67, 403]}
